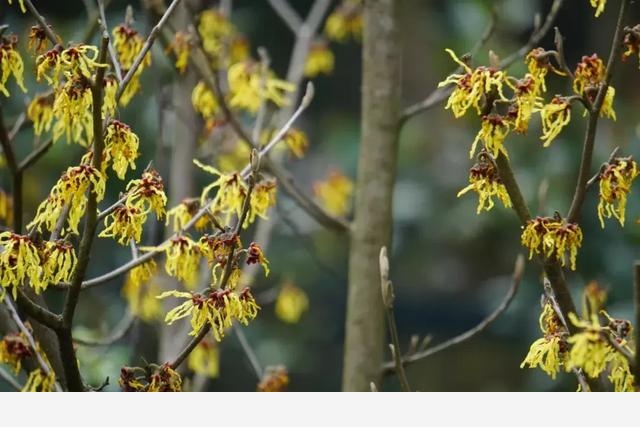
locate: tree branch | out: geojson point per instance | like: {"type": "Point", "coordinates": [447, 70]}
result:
{"type": "Point", "coordinates": [504, 305]}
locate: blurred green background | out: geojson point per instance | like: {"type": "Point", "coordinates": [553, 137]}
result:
{"type": "Point", "coordinates": [450, 266]}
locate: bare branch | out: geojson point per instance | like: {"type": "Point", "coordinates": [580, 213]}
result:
{"type": "Point", "coordinates": [112, 52]}
{"type": "Point", "coordinates": [121, 329]}
{"type": "Point", "coordinates": [248, 351]}
{"type": "Point", "coordinates": [8, 378]}
{"type": "Point", "coordinates": [287, 14]}
{"type": "Point", "coordinates": [515, 282]}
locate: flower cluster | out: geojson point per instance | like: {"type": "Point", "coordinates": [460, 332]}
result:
{"type": "Point", "coordinates": [552, 237]}
{"type": "Point", "coordinates": [121, 147]}
{"type": "Point", "coordinates": [631, 42]}
{"type": "Point", "coordinates": [589, 75]}
{"type": "Point", "coordinates": [44, 263]}
{"type": "Point", "coordinates": [153, 378]}
{"type": "Point", "coordinates": [205, 359]}
{"type": "Point", "coordinates": [274, 379]}
{"type": "Point", "coordinates": [10, 63]}
{"type": "Point", "coordinates": [320, 59]}
{"type": "Point", "coordinates": [40, 112]}
{"type": "Point", "coordinates": [140, 291]}
{"type": "Point", "coordinates": [550, 351]}
{"type": "Point", "coordinates": [14, 348]}
{"type": "Point", "coordinates": [334, 193]}
{"type": "Point", "coordinates": [484, 180]}
{"type": "Point", "coordinates": [218, 308]}
{"type": "Point", "coordinates": [232, 190]}
{"type": "Point", "coordinates": [345, 21]}
{"type": "Point", "coordinates": [128, 44]}
{"type": "Point", "coordinates": [181, 48]}
{"type": "Point", "coordinates": [250, 86]}
{"type": "Point", "coordinates": [70, 190]}
{"type": "Point", "coordinates": [291, 303]}
{"type": "Point", "coordinates": [615, 184]}
{"type": "Point", "coordinates": [180, 215]}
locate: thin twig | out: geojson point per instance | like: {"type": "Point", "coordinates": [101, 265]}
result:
{"type": "Point", "coordinates": [145, 48]}
{"type": "Point", "coordinates": [287, 14]}
{"type": "Point", "coordinates": [9, 379]}
{"type": "Point", "coordinates": [388, 298]}
{"type": "Point", "coordinates": [42, 21]}
{"type": "Point", "coordinates": [596, 177]}
{"type": "Point", "coordinates": [515, 282]}
{"type": "Point", "coordinates": [248, 351]}
{"type": "Point", "coordinates": [36, 154]}
{"type": "Point", "coordinates": [121, 329]}
{"type": "Point", "coordinates": [112, 52]}
{"type": "Point", "coordinates": [16, 318]}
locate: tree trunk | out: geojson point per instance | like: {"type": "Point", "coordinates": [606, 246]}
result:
{"type": "Point", "coordinates": [373, 220]}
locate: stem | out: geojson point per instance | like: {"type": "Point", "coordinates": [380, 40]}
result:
{"type": "Point", "coordinates": [67, 351]}
{"type": "Point", "coordinates": [594, 115]}
{"type": "Point", "coordinates": [248, 351]}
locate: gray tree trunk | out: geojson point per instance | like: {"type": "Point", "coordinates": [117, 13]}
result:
{"type": "Point", "coordinates": [373, 221]}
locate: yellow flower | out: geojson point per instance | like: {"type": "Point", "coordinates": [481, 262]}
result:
{"type": "Point", "coordinates": [262, 198]}
{"type": "Point", "coordinates": [472, 86]}
{"type": "Point", "coordinates": [6, 208]}
{"type": "Point", "coordinates": [38, 381]}
{"type": "Point", "coordinates": [58, 262]}
{"type": "Point", "coordinates": [181, 48]}
{"type": "Point", "coordinates": [109, 105]}
{"type": "Point", "coordinates": [548, 352]}
{"type": "Point", "coordinates": [72, 108]}
{"type": "Point", "coordinates": [81, 59]}
{"type": "Point", "coordinates": [234, 157]}
{"type": "Point", "coordinates": [231, 193]}
{"type": "Point", "coordinates": [10, 63]}
{"type": "Point", "coordinates": [334, 193]}
{"type": "Point", "coordinates": [164, 379]}
{"type": "Point", "coordinates": [598, 5]}
{"type": "Point", "coordinates": [214, 28]}
{"type": "Point", "coordinates": [553, 238]}
{"type": "Point", "coordinates": [205, 359]}
{"type": "Point", "coordinates": [183, 259]}
{"type": "Point", "coordinates": [589, 349]}
{"type": "Point", "coordinates": [593, 299]}
{"type": "Point", "coordinates": [256, 256]}
{"type": "Point", "coordinates": [180, 215]}
{"type": "Point", "coordinates": [631, 43]}
{"type": "Point", "coordinates": [238, 49]}
{"type": "Point", "coordinates": [124, 223]}
{"type": "Point", "coordinates": [484, 180]}
{"type": "Point", "coordinates": [493, 132]}
{"type": "Point", "coordinates": [21, 3]}
{"type": "Point", "coordinates": [216, 248]}
{"type": "Point", "coordinates": [538, 67]}
{"type": "Point", "coordinates": [38, 40]}
{"type": "Point", "coordinates": [296, 141]}
{"type": "Point", "coordinates": [555, 116]}
{"type": "Point", "coordinates": [140, 291]}
{"type": "Point", "coordinates": [40, 112]}
{"type": "Point", "coordinates": [589, 75]}
{"type": "Point", "coordinates": [274, 379]}
{"type": "Point", "coordinates": [147, 193]}
{"type": "Point", "coordinates": [204, 102]}
{"type": "Point", "coordinates": [320, 60]}
{"type": "Point", "coordinates": [526, 95]}
{"type": "Point", "coordinates": [218, 308]}
{"type": "Point", "coordinates": [13, 349]}
{"type": "Point", "coordinates": [128, 43]}
{"type": "Point", "coordinates": [70, 189]}
{"type": "Point", "coordinates": [19, 260]}
{"type": "Point", "coordinates": [49, 66]}
{"type": "Point", "coordinates": [607, 105]}
{"type": "Point", "coordinates": [248, 89]}
{"type": "Point", "coordinates": [615, 184]}
{"type": "Point", "coordinates": [291, 303]}
{"type": "Point", "coordinates": [121, 147]}
{"type": "Point", "coordinates": [345, 21]}
{"type": "Point", "coordinates": [620, 374]}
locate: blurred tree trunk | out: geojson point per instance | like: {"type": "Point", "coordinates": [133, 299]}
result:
{"type": "Point", "coordinates": [182, 134]}
{"type": "Point", "coordinates": [373, 220]}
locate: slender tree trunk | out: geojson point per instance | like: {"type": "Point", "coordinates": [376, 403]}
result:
{"type": "Point", "coordinates": [373, 221]}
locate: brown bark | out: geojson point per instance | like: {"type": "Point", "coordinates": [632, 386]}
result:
{"type": "Point", "coordinates": [373, 221]}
